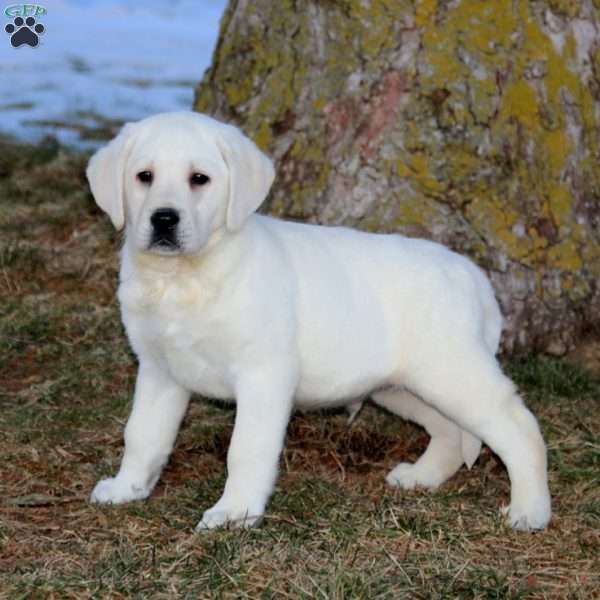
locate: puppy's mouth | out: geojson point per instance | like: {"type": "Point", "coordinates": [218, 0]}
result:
{"type": "Point", "coordinates": [164, 244]}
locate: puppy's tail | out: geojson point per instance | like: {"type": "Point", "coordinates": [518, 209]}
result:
{"type": "Point", "coordinates": [492, 317]}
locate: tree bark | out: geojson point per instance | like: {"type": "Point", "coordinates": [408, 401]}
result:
{"type": "Point", "coordinates": [474, 123]}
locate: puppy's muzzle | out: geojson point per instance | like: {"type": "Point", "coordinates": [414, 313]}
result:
{"type": "Point", "coordinates": [164, 223]}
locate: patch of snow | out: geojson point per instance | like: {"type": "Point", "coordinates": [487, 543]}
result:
{"type": "Point", "coordinates": [96, 60]}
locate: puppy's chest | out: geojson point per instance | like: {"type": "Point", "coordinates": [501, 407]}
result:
{"type": "Point", "coordinates": [185, 336]}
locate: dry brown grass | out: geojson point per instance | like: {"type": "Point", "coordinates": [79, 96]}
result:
{"type": "Point", "coordinates": [334, 530]}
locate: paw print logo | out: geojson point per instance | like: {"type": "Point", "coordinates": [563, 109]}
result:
{"type": "Point", "coordinates": [24, 32]}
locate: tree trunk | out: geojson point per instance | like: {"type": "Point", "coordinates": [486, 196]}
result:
{"type": "Point", "coordinates": [471, 122]}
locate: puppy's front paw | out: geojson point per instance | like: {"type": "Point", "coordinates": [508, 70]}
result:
{"type": "Point", "coordinates": [221, 515]}
{"type": "Point", "coordinates": [117, 491]}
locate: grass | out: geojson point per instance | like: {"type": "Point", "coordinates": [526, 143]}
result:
{"type": "Point", "coordinates": [333, 529]}
{"type": "Point", "coordinates": [88, 125]}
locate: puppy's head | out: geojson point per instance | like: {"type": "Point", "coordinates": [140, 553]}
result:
{"type": "Point", "coordinates": [176, 178]}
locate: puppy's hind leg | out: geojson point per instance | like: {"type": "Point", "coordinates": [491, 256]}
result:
{"type": "Point", "coordinates": [448, 448]}
{"type": "Point", "coordinates": [468, 386]}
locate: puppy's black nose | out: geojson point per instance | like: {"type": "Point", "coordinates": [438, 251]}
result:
{"type": "Point", "coordinates": [164, 219]}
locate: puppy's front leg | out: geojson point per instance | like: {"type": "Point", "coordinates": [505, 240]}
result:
{"type": "Point", "coordinates": [262, 414]}
{"type": "Point", "coordinates": [159, 405]}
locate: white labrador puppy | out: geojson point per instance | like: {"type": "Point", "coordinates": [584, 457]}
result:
{"type": "Point", "coordinates": [230, 304]}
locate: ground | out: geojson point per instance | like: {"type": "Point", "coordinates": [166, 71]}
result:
{"type": "Point", "coordinates": [334, 529]}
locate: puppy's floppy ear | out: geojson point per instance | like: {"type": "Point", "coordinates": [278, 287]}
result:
{"type": "Point", "coordinates": [251, 174]}
{"type": "Point", "coordinates": [105, 173]}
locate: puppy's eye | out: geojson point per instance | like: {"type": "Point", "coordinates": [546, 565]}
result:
{"type": "Point", "coordinates": [145, 177]}
{"type": "Point", "coordinates": [199, 179]}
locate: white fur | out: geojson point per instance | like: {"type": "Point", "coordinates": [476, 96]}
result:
{"type": "Point", "coordinates": [277, 314]}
